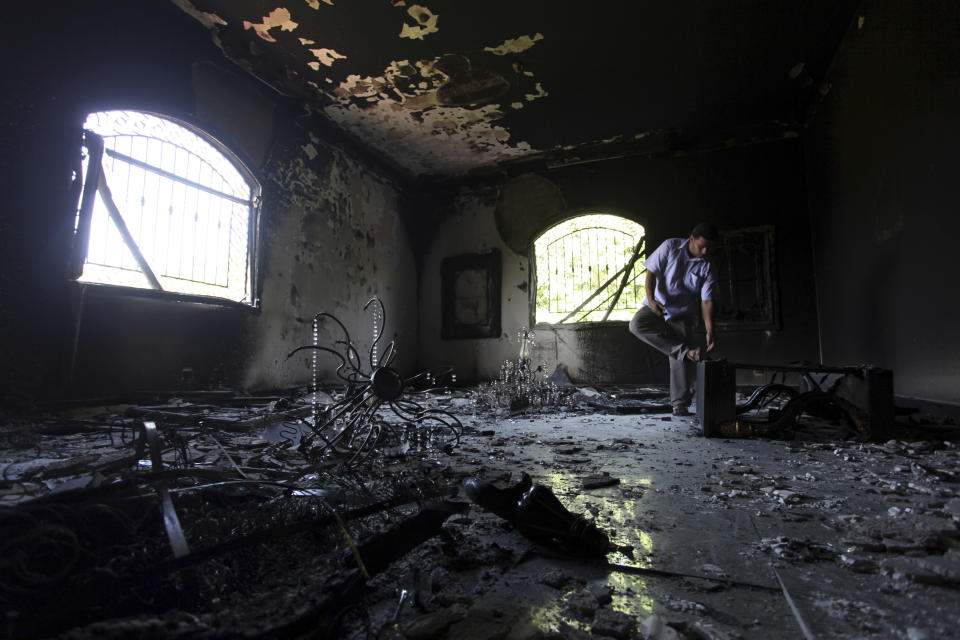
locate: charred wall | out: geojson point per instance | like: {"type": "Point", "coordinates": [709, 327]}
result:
{"type": "Point", "coordinates": [883, 169]}
{"type": "Point", "coordinates": [877, 163]}
{"type": "Point", "coordinates": [742, 186]}
{"type": "Point", "coordinates": [337, 238]}
{"type": "Point", "coordinates": [331, 234]}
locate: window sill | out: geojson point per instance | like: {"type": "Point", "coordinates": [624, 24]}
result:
{"type": "Point", "coordinates": [113, 291]}
{"type": "Point", "coordinates": [581, 325]}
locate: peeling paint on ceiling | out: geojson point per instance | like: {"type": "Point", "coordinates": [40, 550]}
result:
{"type": "Point", "coordinates": [515, 46]}
{"type": "Point", "coordinates": [326, 56]}
{"type": "Point", "coordinates": [503, 80]}
{"type": "Point", "coordinates": [447, 98]}
{"type": "Point", "coordinates": [458, 136]}
{"type": "Point", "coordinates": [431, 115]}
{"type": "Point", "coordinates": [540, 93]}
{"type": "Point", "coordinates": [279, 17]}
{"type": "Point", "coordinates": [426, 23]}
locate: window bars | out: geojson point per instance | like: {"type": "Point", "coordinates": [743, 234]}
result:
{"type": "Point", "coordinates": [587, 270]}
{"type": "Point", "coordinates": [163, 209]}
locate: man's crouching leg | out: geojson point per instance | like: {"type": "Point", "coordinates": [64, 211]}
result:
{"type": "Point", "coordinates": [669, 338]}
{"type": "Point", "coordinates": [672, 339]}
{"type": "Point", "coordinates": [683, 370]}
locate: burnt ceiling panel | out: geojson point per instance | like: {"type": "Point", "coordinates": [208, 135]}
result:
{"type": "Point", "coordinates": [446, 87]}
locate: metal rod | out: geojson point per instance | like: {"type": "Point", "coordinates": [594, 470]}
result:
{"type": "Point", "coordinates": [798, 616]}
{"type": "Point", "coordinates": [170, 520]}
{"type": "Point", "coordinates": [107, 197]}
{"type": "Point", "coordinates": [605, 300]}
{"type": "Point", "coordinates": [172, 176]}
{"type": "Point", "coordinates": [81, 241]}
{"type": "Point", "coordinates": [623, 282]}
{"type": "Point", "coordinates": [593, 295]}
{"type": "Point", "coordinates": [650, 571]}
{"type": "Point", "coordinates": [229, 457]}
{"type": "Point", "coordinates": [804, 627]}
{"type": "Point", "coordinates": [797, 368]}
{"type": "Point", "coordinates": [75, 339]}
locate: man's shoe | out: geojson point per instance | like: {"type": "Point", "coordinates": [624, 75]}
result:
{"type": "Point", "coordinates": [680, 410]}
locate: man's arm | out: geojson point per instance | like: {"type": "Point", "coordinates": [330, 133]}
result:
{"type": "Point", "coordinates": [650, 282]}
{"type": "Point", "coordinates": [655, 264]}
{"type": "Point", "coordinates": [706, 306]}
{"type": "Point", "coordinates": [707, 294]}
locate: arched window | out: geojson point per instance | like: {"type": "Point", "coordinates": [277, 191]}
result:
{"type": "Point", "coordinates": [164, 207]}
{"type": "Point", "coordinates": [588, 269]}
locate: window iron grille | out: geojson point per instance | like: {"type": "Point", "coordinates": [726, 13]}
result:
{"type": "Point", "coordinates": [587, 270]}
{"type": "Point", "coordinates": [170, 211]}
{"type": "Point", "coordinates": [748, 290]}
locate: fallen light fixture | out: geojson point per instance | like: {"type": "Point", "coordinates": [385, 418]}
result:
{"type": "Point", "coordinates": [520, 385]}
{"type": "Point", "coordinates": [539, 515]}
{"type": "Point", "coordinates": [352, 424]}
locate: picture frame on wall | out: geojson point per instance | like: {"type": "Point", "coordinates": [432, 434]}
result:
{"type": "Point", "coordinates": [470, 296]}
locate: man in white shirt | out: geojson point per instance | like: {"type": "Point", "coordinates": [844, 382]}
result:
{"type": "Point", "coordinates": [680, 283]}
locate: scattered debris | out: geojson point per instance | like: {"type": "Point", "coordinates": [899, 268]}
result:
{"type": "Point", "coordinates": [797, 550]}
{"type": "Point", "coordinates": [937, 570]}
{"type": "Point", "coordinates": [434, 624]}
{"type": "Point", "coordinates": [614, 624]}
{"type": "Point", "coordinates": [639, 401]}
{"type": "Point", "coordinates": [85, 546]}
{"type": "Point", "coordinates": [556, 578]}
{"type": "Point", "coordinates": [656, 628]}
{"type": "Point", "coordinates": [583, 603]}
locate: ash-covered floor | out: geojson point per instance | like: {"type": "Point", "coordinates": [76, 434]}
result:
{"type": "Point", "coordinates": [744, 538]}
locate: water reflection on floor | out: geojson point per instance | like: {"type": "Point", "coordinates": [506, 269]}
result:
{"type": "Point", "coordinates": [703, 509]}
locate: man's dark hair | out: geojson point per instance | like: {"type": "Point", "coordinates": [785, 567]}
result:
{"type": "Point", "coordinates": [706, 230]}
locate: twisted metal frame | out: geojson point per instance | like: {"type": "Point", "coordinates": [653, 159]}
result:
{"type": "Point", "coordinates": [786, 421]}
{"type": "Point", "coordinates": [352, 425]}
{"type": "Point", "coordinates": [765, 395]}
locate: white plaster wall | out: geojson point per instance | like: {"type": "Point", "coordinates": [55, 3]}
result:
{"type": "Point", "coordinates": [471, 228]}
{"type": "Point", "coordinates": [589, 353]}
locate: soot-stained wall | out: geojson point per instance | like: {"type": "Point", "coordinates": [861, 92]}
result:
{"type": "Point", "coordinates": [883, 169]}
{"type": "Point", "coordinates": [331, 234]}
{"type": "Point", "coordinates": [337, 239]}
{"type": "Point", "coordinates": [760, 184]}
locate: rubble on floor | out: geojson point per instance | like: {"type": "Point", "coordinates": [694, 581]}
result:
{"type": "Point", "coordinates": [864, 536]}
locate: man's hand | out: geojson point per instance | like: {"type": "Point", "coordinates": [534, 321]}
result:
{"type": "Point", "coordinates": [711, 343]}
{"type": "Point", "coordinates": [656, 307]}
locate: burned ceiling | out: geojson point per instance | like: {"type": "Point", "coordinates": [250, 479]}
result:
{"type": "Point", "coordinates": [441, 88]}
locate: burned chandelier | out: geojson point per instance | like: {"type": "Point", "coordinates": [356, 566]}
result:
{"type": "Point", "coordinates": [353, 425]}
{"type": "Point", "coordinates": [520, 386]}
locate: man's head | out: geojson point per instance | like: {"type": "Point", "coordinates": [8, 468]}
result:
{"type": "Point", "coordinates": [703, 239]}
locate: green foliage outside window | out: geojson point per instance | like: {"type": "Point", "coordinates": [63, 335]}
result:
{"type": "Point", "coordinates": [581, 256]}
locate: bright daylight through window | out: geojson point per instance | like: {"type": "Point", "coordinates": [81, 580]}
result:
{"type": "Point", "coordinates": [589, 269]}
{"type": "Point", "coordinates": [171, 210]}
